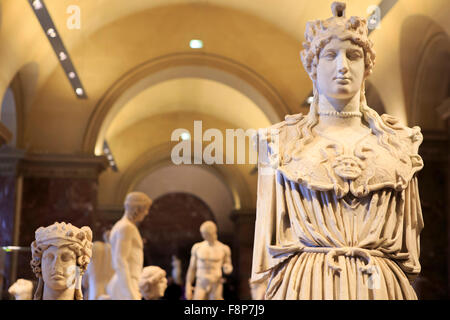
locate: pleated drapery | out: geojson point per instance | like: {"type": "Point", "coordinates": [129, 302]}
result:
{"type": "Point", "coordinates": [313, 245]}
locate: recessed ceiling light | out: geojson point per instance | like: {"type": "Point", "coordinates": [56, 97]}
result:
{"type": "Point", "coordinates": [51, 33]}
{"type": "Point", "coordinates": [79, 91]}
{"type": "Point", "coordinates": [196, 44]}
{"type": "Point", "coordinates": [72, 75]}
{"type": "Point", "coordinates": [185, 136]}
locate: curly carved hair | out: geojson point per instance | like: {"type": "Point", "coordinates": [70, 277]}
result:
{"type": "Point", "coordinates": [79, 243]}
{"type": "Point", "coordinates": [318, 34]}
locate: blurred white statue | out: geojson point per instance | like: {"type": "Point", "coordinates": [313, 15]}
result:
{"type": "Point", "coordinates": [22, 289]}
{"type": "Point", "coordinates": [208, 258]}
{"type": "Point", "coordinates": [99, 271]}
{"type": "Point", "coordinates": [153, 283]}
{"type": "Point", "coordinates": [60, 256]}
{"type": "Point", "coordinates": [176, 270]}
{"type": "Point", "coordinates": [127, 249]}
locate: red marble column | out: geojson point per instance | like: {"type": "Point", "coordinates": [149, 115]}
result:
{"type": "Point", "coordinates": [46, 189]}
{"type": "Point", "coordinates": [9, 181]}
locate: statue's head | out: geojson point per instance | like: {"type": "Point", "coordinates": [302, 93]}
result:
{"type": "Point", "coordinates": [338, 54]}
{"type": "Point", "coordinates": [137, 205]}
{"type": "Point", "coordinates": [208, 230]}
{"type": "Point", "coordinates": [338, 57]}
{"type": "Point", "coordinates": [153, 283]}
{"type": "Point", "coordinates": [22, 289]}
{"type": "Point", "coordinates": [60, 256]}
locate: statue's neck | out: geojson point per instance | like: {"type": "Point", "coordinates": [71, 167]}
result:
{"type": "Point", "coordinates": [51, 294]}
{"type": "Point", "coordinates": [339, 112]}
{"type": "Point", "coordinates": [126, 217]}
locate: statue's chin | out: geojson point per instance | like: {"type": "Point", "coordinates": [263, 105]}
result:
{"type": "Point", "coordinates": [57, 285]}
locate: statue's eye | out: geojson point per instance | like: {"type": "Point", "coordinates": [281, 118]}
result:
{"type": "Point", "coordinates": [354, 55]}
{"type": "Point", "coordinates": [66, 256]}
{"type": "Point", "coordinates": [329, 55]}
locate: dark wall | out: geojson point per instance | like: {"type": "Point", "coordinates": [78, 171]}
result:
{"type": "Point", "coordinates": [432, 282]}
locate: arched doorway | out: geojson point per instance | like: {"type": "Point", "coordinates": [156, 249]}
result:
{"type": "Point", "coordinates": [172, 227]}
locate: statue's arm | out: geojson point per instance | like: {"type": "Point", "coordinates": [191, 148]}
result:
{"type": "Point", "coordinates": [227, 265]}
{"type": "Point", "coordinates": [120, 251]}
{"type": "Point", "coordinates": [413, 225]}
{"type": "Point", "coordinates": [190, 274]}
{"type": "Point", "coordinates": [265, 215]}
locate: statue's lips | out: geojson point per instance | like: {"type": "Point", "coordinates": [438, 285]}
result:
{"type": "Point", "coordinates": [343, 80]}
{"type": "Point", "coordinates": [57, 277]}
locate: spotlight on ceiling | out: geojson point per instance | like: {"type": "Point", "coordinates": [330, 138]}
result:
{"type": "Point", "coordinates": [62, 56]}
{"type": "Point", "coordinates": [79, 91]}
{"type": "Point", "coordinates": [51, 33]}
{"type": "Point", "coordinates": [310, 99]}
{"type": "Point", "coordinates": [72, 75]}
{"type": "Point", "coordinates": [37, 4]}
{"type": "Point", "coordinates": [196, 44]}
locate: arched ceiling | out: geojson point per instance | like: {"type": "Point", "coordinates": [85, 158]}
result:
{"type": "Point", "coordinates": [190, 95]}
{"type": "Point", "coordinates": [260, 39]}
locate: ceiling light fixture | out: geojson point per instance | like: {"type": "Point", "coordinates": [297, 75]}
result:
{"type": "Point", "coordinates": [37, 4]}
{"type": "Point", "coordinates": [51, 33]}
{"type": "Point", "coordinates": [55, 40]}
{"type": "Point", "coordinates": [62, 56]}
{"type": "Point", "coordinates": [185, 136]}
{"type": "Point", "coordinates": [196, 44]}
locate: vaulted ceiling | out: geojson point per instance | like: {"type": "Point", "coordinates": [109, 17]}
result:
{"type": "Point", "coordinates": [135, 63]}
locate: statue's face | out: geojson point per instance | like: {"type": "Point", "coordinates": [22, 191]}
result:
{"type": "Point", "coordinates": [340, 71]}
{"type": "Point", "coordinates": [58, 267]}
{"type": "Point", "coordinates": [142, 213]}
{"type": "Point", "coordinates": [162, 286]}
{"type": "Point", "coordinates": [208, 234]}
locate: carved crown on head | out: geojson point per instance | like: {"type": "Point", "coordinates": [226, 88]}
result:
{"type": "Point", "coordinates": [318, 31]}
{"type": "Point", "coordinates": [64, 231]}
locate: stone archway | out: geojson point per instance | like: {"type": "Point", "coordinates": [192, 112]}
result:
{"type": "Point", "coordinates": [179, 65]}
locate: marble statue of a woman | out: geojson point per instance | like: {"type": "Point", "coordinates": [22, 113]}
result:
{"type": "Point", "coordinates": [338, 210]}
{"type": "Point", "coordinates": [60, 255]}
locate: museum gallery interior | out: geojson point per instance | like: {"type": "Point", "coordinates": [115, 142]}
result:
{"type": "Point", "coordinates": [224, 149]}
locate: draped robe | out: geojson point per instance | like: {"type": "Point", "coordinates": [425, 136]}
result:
{"type": "Point", "coordinates": [337, 221]}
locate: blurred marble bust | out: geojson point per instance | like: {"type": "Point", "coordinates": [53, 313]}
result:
{"type": "Point", "coordinates": [60, 256]}
{"type": "Point", "coordinates": [153, 283]}
{"type": "Point", "coordinates": [22, 289]}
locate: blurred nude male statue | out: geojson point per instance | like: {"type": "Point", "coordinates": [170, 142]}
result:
{"type": "Point", "coordinates": [208, 258]}
{"type": "Point", "coordinates": [127, 249]}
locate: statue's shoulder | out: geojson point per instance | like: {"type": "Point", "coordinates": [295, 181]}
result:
{"type": "Point", "coordinates": [225, 247]}
{"type": "Point", "coordinates": [289, 126]}
{"type": "Point", "coordinates": [411, 137]}
{"type": "Point", "coordinates": [195, 247]}
{"type": "Point", "coordinates": [123, 226]}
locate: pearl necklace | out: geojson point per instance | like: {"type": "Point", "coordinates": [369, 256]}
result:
{"type": "Point", "coordinates": [343, 114]}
